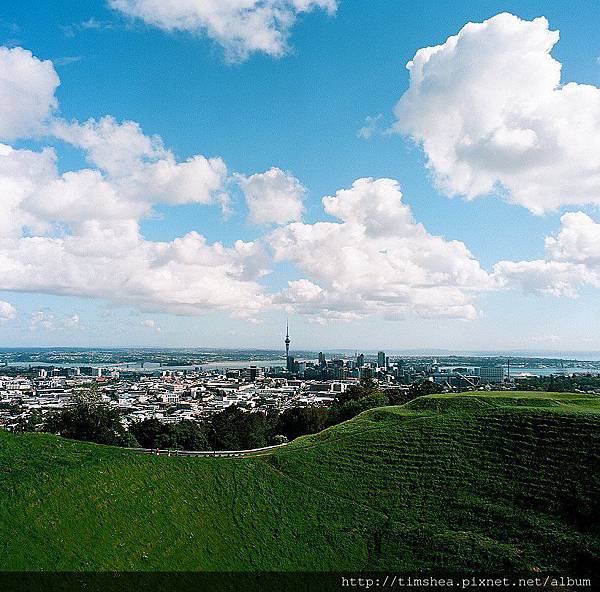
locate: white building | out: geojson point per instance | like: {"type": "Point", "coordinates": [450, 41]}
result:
{"type": "Point", "coordinates": [489, 375]}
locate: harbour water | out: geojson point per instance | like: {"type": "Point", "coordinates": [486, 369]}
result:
{"type": "Point", "coordinates": [515, 370]}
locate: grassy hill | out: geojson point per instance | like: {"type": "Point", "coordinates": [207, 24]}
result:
{"type": "Point", "coordinates": [489, 481]}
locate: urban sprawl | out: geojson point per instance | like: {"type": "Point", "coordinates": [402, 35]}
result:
{"type": "Point", "coordinates": [173, 395]}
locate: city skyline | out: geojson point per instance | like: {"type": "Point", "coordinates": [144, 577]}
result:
{"type": "Point", "coordinates": [167, 181]}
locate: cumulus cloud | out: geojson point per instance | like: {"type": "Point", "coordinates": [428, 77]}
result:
{"type": "Point", "coordinates": [27, 87]}
{"type": "Point", "coordinates": [273, 197]}
{"type": "Point", "coordinates": [578, 240]}
{"type": "Point", "coordinates": [20, 172]}
{"type": "Point", "coordinates": [572, 261]}
{"type": "Point", "coordinates": [241, 27]}
{"type": "Point", "coordinates": [140, 167]}
{"type": "Point", "coordinates": [7, 312]}
{"type": "Point", "coordinates": [305, 297]}
{"type": "Point", "coordinates": [112, 261]}
{"type": "Point", "coordinates": [37, 197]}
{"type": "Point", "coordinates": [78, 232]}
{"type": "Point", "coordinates": [491, 113]}
{"type": "Point", "coordinates": [377, 259]}
{"type": "Point", "coordinates": [131, 171]}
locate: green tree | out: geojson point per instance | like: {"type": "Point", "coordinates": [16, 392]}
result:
{"type": "Point", "coordinates": [235, 429]}
{"type": "Point", "coordinates": [147, 431]}
{"type": "Point", "coordinates": [350, 408]}
{"type": "Point", "coordinates": [32, 423]}
{"type": "Point", "coordinates": [364, 388]}
{"type": "Point", "coordinates": [90, 421]}
{"type": "Point", "coordinates": [400, 396]}
{"type": "Point", "coordinates": [299, 421]}
{"type": "Point", "coordinates": [280, 439]}
{"type": "Point", "coordinates": [424, 387]}
{"type": "Point", "coordinates": [188, 435]}
{"type": "Point", "coordinates": [184, 435]}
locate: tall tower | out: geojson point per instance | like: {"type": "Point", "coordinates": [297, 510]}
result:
{"type": "Point", "coordinates": [287, 342]}
{"type": "Point", "coordinates": [289, 361]}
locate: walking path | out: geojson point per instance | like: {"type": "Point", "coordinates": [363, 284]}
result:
{"type": "Point", "coordinates": [209, 453]}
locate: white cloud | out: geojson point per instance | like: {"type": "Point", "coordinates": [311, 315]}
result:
{"type": "Point", "coordinates": [378, 259]}
{"type": "Point", "coordinates": [7, 312]}
{"type": "Point", "coordinates": [37, 197]}
{"type": "Point", "coordinates": [115, 148]}
{"type": "Point", "coordinates": [21, 173]}
{"type": "Point", "coordinates": [67, 60]}
{"type": "Point", "coordinates": [42, 320]}
{"type": "Point", "coordinates": [573, 261]}
{"type": "Point", "coordinates": [140, 168]}
{"type": "Point", "coordinates": [273, 197]}
{"type": "Point", "coordinates": [46, 320]}
{"type": "Point", "coordinates": [578, 240]}
{"type": "Point", "coordinates": [151, 324]}
{"type": "Point", "coordinates": [541, 276]}
{"type": "Point", "coordinates": [87, 25]}
{"type": "Point", "coordinates": [77, 232]}
{"type": "Point", "coordinates": [491, 113]}
{"type": "Point", "coordinates": [241, 27]}
{"type": "Point", "coordinates": [73, 320]}
{"type": "Point", "coordinates": [27, 87]}
{"type": "Point", "coordinates": [370, 127]}
{"type": "Point", "coordinates": [305, 297]}
{"type": "Point", "coordinates": [93, 23]}
{"type": "Point", "coordinates": [112, 261]}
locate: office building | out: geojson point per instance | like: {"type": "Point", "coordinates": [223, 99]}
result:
{"type": "Point", "coordinates": [490, 375]}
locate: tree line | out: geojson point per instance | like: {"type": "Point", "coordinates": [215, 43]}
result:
{"type": "Point", "coordinates": [234, 428]}
{"type": "Point", "coordinates": [587, 383]}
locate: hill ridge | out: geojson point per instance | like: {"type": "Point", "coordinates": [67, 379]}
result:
{"type": "Point", "coordinates": [438, 483]}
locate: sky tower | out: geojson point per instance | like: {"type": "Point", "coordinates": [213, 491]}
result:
{"type": "Point", "coordinates": [287, 342]}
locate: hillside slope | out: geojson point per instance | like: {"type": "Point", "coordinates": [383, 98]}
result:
{"type": "Point", "coordinates": [489, 481]}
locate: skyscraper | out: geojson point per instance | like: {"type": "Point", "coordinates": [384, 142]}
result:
{"type": "Point", "coordinates": [381, 359]}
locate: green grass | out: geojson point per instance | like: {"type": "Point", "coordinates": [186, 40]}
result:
{"type": "Point", "coordinates": [490, 481]}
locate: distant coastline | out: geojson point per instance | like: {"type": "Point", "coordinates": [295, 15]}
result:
{"type": "Point", "coordinates": [179, 359]}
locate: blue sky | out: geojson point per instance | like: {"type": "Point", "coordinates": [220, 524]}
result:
{"type": "Point", "coordinates": [299, 112]}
